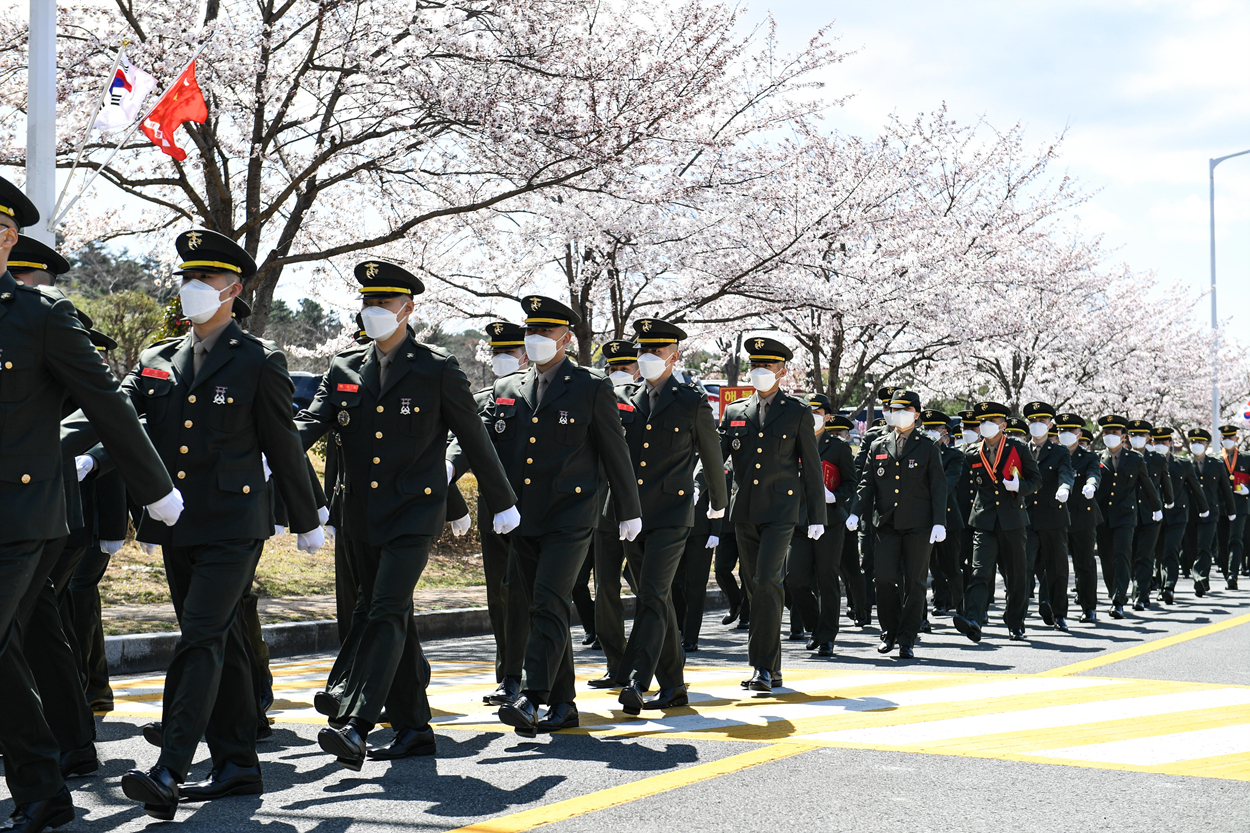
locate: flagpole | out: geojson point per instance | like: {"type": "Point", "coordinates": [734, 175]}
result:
{"type": "Point", "coordinates": [86, 134]}
{"type": "Point", "coordinates": [129, 133]}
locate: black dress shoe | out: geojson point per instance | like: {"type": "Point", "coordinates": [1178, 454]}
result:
{"type": "Point", "coordinates": [887, 644]}
{"type": "Point", "coordinates": [744, 625]}
{"type": "Point", "coordinates": [1048, 616]}
{"type": "Point", "coordinates": [229, 779]}
{"type": "Point", "coordinates": [326, 703]}
{"type": "Point", "coordinates": [967, 627]}
{"type": "Point", "coordinates": [631, 699]}
{"type": "Point", "coordinates": [905, 652]}
{"type": "Point", "coordinates": [1117, 611]}
{"type": "Point", "coordinates": [941, 610]}
{"type": "Point", "coordinates": [557, 717]}
{"type": "Point", "coordinates": [732, 615]}
{"type": "Point", "coordinates": [1017, 635]}
{"type": "Point", "coordinates": [1232, 582]}
{"type": "Point", "coordinates": [1168, 597]}
{"type": "Point", "coordinates": [776, 679]}
{"type": "Point", "coordinates": [825, 649]}
{"type": "Point", "coordinates": [668, 698]}
{"type": "Point", "coordinates": [797, 636]}
{"type": "Point", "coordinates": [407, 743]}
{"type": "Point", "coordinates": [1089, 616]}
{"type": "Point", "coordinates": [505, 692]}
{"type": "Point", "coordinates": [589, 639]}
{"type": "Point", "coordinates": [1139, 605]}
{"type": "Point", "coordinates": [761, 680]}
{"type": "Point", "coordinates": [925, 627]}
{"type": "Point", "coordinates": [606, 681]}
{"type": "Point", "coordinates": [522, 715]}
{"type": "Point", "coordinates": [101, 704]}
{"type": "Point", "coordinates": [596, 645]}
{"type": "Point", "coordinates": [79, 762]}
{"type": "Point", "coordinates": [34, 816]}
{"type": "Point", "coordinates": [690, 647]}
{"type": "Point", "coordinates": [152, 733]}
{"type": "Point", "coordinates": [157, 789]}
{"type": "Point", "coordinates": [1061, 624]}
{"type": "Point", "coordinates": [345, 744]}
{"type": "Point", "coordinates": [1200, 589]}
{"type": "Point", "coordinates": [812, 645]}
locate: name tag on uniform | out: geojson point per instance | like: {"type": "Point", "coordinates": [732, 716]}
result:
{"type": "Point", "coordinates": [624, 406]}
{"type": "Point", "coordinates": [154, 373]}
{"type": "Point", "coordinates": [882, 456]}
{"type": "Point", "coordinates": [976, 465]}
{"type": "Point", "coordinates": [503, 401]}
{"type": "Point", "coordinates": [343, 386]}
{"type": "Point", "coordinates": [737, 423]}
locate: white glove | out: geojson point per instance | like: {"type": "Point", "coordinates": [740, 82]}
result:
{"type": "Point", "coordinates": [1088, 490]}
{"type": "Point", "coordinates": [311, 540]}
{"type": "Point", "coordinates": [279, 530]}
{"type": "Point", "coordinates": [451, 470]}
{"type": "Point", "coordinates": [507, 520]}
{"type": "Point", "coordinates": [264, 464]}
{"type": "Point", "coordinates": [167, 509]}
{"type": "Point", "coordinates": [630, 529]}
{"type": "Point", "coordinates": [852, 523]}
{"type": "Point", "coordinates": [85, 463]}
{"type": "Point", "coordinates": [830, 497]}
{"type": "Point", "coordinates": [1242, 489]}
{"type": "Point", "coordinates": [1157, 515]}
{"type": "Point", "coordinates": [148, 549]}
{"type": "Point", "coordinates": [323, 514]}
{"type": "Point", "coordinates": [713, 514]}
{"type": "Point", "coordinates": [938, 535]}
{"type": "Point", "coordinates": [1205, 514]}
{"type": "Point", "coordinates": [1062, 494]}
{"type": "Point", "coordinates": [712, 541]}
{"type": "Point", "coordinates": [1168, 505]}
{"type": "Point", "coordinates": [1232, 517]}
{"type": "Point", "coordinates": [814, 531]}
{"type": "Point", "coordinates": [329, 530]}
{"type": "Point", "coordinates": [696, 493]}
{"type": "Point", "coordinates": [1012, 485]}
{"type": "Point", "coordinates": [461, 525]}
{"type": "Point", "coordinates": [110, 547]}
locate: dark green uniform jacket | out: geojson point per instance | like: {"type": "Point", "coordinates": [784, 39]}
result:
{"type": "Point", "coordinates": [1055, 464]}
{"type": "Point", "coordinates": [1217, 488]}
{"type": "Point", "coordinates": [1082, 511]}
{"type": "Point", "coordinates": [552, 452]}
{"type": "Point", "coordinates": [1157, 465]}
{"type": "Point", "coordinates": [665, 444]}
{"type": "Point", "coordinates": [768, 461]}
{"type": "Point", "coordinates": [838, 454]}
{"type": "Point", "coordinates": [1185, 488]}
{"type": "Point", "coordinates": [46, 355]}
{"type": "Point", "coordinates": [1241, 465]}
{"type": "Point", "coordinates": [907, 491]}
{"type": "Point", "coordinates": [954, 468]}
{"type": "Point", "coordinates": [393, 439]}
{"type": "Point", "coordinates": [1122, 489]}
{"type": "Point", "coordinates": [993, 502]}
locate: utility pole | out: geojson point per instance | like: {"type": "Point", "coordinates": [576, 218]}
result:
{"type": "Point", "coordinates": [41, 117]}
{"type": "Point", "coordinates": [1215, 322]}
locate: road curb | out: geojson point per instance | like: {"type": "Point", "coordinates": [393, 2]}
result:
{"type": "Point", "coordinates": [141, 653]}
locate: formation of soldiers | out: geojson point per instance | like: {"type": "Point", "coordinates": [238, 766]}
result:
{"type": "Point", "coordinates": [624, 472]}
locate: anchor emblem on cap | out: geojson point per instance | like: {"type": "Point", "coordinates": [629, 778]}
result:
{"type": "Point", "coordinates": [193, 239]}
{"type": "Point", "coordinates": [759, 344]}
{"type": "Point", "coordinates": [535, 303]}
{"type": "Point", "coordinates": [371, 270]}
{"type": "Point", "coordinates": [615, 348]}
{"type": "Point", "coordinates": [646, 326]}
{"type": "Point", "coordinates": [498, 329]}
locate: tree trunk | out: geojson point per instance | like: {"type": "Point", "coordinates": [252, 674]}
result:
{"type": "Point", "coordinates": [732, 363]}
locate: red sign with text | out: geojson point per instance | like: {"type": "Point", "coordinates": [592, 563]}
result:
{"type": "Point", "coordinates": [733, 394]}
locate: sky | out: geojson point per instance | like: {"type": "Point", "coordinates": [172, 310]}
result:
{"type": "Point", "coordinates": [1147, 92]}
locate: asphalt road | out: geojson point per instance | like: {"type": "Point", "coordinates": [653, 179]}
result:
{"type": "Point", "coordinates": [1123, 725]}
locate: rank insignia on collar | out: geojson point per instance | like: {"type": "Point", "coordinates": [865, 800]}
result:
{"type": "Point", "coordinates": [500, 426]}
{"type": "Point", "coordinates": [405, 406]}
{"type": "Point", "coordinates": [564, 417]}
{"type": "Point", "coordinates": [344, 418]}
{"type": "Point", "coordinates": [220, 397]}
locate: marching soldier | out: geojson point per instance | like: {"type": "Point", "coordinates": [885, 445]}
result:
{"type": "Point", "coordinates": [1186, 490]}
{"type": "Point", "coordinates": [1048, 516]}
{"type": "Point", "coordinates": [903, 489]}
{"type": "Point", "coordinates": [667, 426]}
{"type": "Point", "coordinates": [690, 583]}
{"type": "Point", "coordinates": [966, 493]}
{"type": "Point", "coordinates": [1083, 513]}
{"type": "Point", "coordinates": [1213, 475]}
{"type": "Point", "coordinates": [1238, 467]}
{"type": "Point", "coordinates": [877, 428]}
{"type": "Point", "coordinates": [937, 427]}
{"type": "Point", "coordinates": [1146, 537]}
{"type": "Point", "coordinates": [555, 427]}
{"type": "Point", "coordinates": [1005, 474]}
{"type": "Point", "coordinates": [391, 405]}
{"type": "Point", "coordinates": [1125, 482]}
{"type": "Point", "coordinates": [769, 437]}
{"type": "Point", "coordinates": [838, 428]}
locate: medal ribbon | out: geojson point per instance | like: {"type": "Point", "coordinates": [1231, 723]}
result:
{"type": "Point", "coordinates": [1231, 464]}
{"type": "Point", "coordinates": [997, 457]}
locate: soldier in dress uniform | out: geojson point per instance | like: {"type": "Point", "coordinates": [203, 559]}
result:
{"type": "Point", "coordinates": [391, 405]}
{"type": "Point", "coordinates": [1216, 485]}
{"type": "Point", "coordinates": [1017, 429]}
{"type": "Point", "coordinates": [1005, 474]}
{"type": "Point", "coordinates": [937, 427]}
{"type": "Point", "coordinates": [1083, 513]}
{"type": "Point", "coordinates": [903, 489]}
{"type": "Point", "coordinates": [669, 429]}
{"type": "Point", "coordinates": [1187, 491]}
{"type": "Point", "coordinates": [966, 492]}
{"type": "Point", "coordinates": [1148, 530]}
{"type": "Point", "coordinates": [1125, 482]}
{"type": "Point", "coordinates": [838, 428]}
{"type": "Point", "coordinates": [556, 427]}
{"type": "Point", "coordinates": [877, 428]}
{"type": "Point", "coordinates": [1238, 467]}
{"type": "Point", "coordinates": [1047, 556]}
{"type": "Point", "coordinates": [767, 435]}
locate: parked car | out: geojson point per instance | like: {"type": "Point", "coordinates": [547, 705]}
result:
{"type": "Point", "coordinates": [305, 388]}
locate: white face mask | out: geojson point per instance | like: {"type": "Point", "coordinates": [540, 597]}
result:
{"type": "Point", "coordinates": [1162, 448]}
{"type": "Point", "coordinates": [620, 377]}
{"type": "Point", "coordinates": [504, 363]}
{"type": "Point", "coordinates": [1197, 449]}
{"type": "Point", "coordinates": [379, 322]}
{"type": "Point", "coordinates": [888, 416]}
{"type": "Point", "coordinates": [763, 379]}
{"type": "Point", "coordinates": [1137, 442]}
{"type": "Point", "coordinates": [989, 430]}
{"type": "Point", "coordinates": [540, 349]}
{"type": "Point", "coordinates": [904, 419]}
{"type": "Point", "coordinates": [651, 366]}
{"type": "Point", "coordinates": [1228, 443]}
{"type": "Point", "coordinates": [818, 422]}
{"type": "Point", "coordinates": [844, 436]}
{"type": "Point", "coordinates": [934, 435]}
{"type": "Point", "coordinates": [970, 436]}
{"type": "Point", "coordinates": [1112, 441]}
{"type": "Point", "coordinates": [1038, 429]}
{"type": "Point", "coordinates": [200, 301]}
{"type": "Point", "coordinates": [1068, 438]}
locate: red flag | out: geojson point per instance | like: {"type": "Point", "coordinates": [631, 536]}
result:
{"type": "Point", "coordinates": [183, 101]}
{"type": "Point", "coordinates": [1011, 470]}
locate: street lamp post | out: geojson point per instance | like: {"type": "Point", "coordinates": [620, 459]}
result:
{"type": "Point", "coordinates": [41, 116]}
{"type": "Point", "coordinates": [1215, 342]}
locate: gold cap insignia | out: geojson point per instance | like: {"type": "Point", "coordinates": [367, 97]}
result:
{"type": "Point", "coordinates": [759, 344]}
{"type": "Point", "coordinates": [194, 238]}
{"type": "Point", "coordinates": [983, 405]}
{"type": "Point", "coordinates": [498, 329]}
{"type": "Point", "coordinates": [371, 270]}
{"type": "Point", "coordinates": [616, 348]}
{"type": "Point", "coordinates": [535, 303]}
{"type": "Point", "coordinates": [646, 326]}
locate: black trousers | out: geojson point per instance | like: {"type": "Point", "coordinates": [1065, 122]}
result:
{"type": "Point", "coordinates": [1115, 551]}
{"type": "Point", "coordinates": [991, 549]}
{"type": "Point", "coordinates": [83, 598]}
{"type": "Point", "coordinates": [1170, 554]}
{"type": "Point", "coordinates": [609, 621]}
{"type": "Point", "coordinates": [812, 576]}
{"type": "Point", "coordinates": [1085, 565]}
{"type": "Point", "coordinates": [582, 600]}
{"type": "Point", "coordinates": [762, 549]}
{"type": "Point", "coordinates": [1223, 542]}
{"type": "Point", "coordinates": [31, 753]}
{"type": "Point", "coordinates": [345, 583]}
{"type": "Point", "coordinates": [495, 567]}
{"type": "Point", "coordinates": [1189, 544]}
{"type": "Point", "coordinates": [1236, 544]}
{"type": "Point", "coordinates": [868, 563]}
{"type": "Point", "coordinates": [949, 555]}
{"type": "Point", "coordinates": [549, 565]}
{"type": "Point", "coordinates": [382, 662]}
{"type": "Point", "coordinates": [852, 573]}
{"type": "Point", "coordinates": [690, 586]}
{"type": "Point", "coordinates": [654, 647]}
{"type": "Point", "coordinates": [725, 560]}
{"type": "Point", "coordinates": [1145, 538]}
{"type": "Point", "coordinates": [1048, 561]}
{"type": "Point", "coordinates": [517, 595]}
{"type": "Point", "coordinates": [902, 564]}
{"type": "Point", "coordinates": [1205, 534]}
{"type": "Point", "coordinates": [209, 689]}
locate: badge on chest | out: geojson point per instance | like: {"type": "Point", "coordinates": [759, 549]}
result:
{"type": "Point", "coordinates": [220, 397]}
{"type": "Point", "coordinates": [500, 426]}
{"type": "Point", "coordinates": [344, 418]}
{"type": "Point", "coordinates": [736, 444]}
{"type": "Point", "coordinates": [405, 406]}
